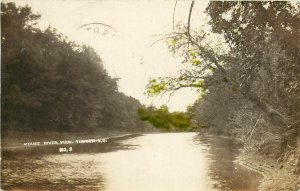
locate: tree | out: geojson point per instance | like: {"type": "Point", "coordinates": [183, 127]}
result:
{"type": "Point", "coordinates": [268, 71]}
{"type": "Point", "coordinates": [165, 120]}
{"type": "Point", "coordinates": [256, 64]}
{"type": "Point", "coordinates": [52, 84]}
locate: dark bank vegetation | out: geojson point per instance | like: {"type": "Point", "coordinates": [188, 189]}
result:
{"type": "Point", "coordinates": [50, 84]}
{"type": "Point", "coordinates": [247, 69]}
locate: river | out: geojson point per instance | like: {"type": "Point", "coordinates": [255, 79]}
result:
{"type": "Point", "coordinates": [154, 162]}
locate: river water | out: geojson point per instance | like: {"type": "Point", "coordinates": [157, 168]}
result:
{"type": "Point", "coordinates": [154, 162]}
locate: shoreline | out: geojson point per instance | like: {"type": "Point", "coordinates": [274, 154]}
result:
{"type": "Point", "coordinates": [252, 165]}
{"type": "Point", "coordinates": [13, 144]}
{"type": "Point", "coordinates": [275, 176]}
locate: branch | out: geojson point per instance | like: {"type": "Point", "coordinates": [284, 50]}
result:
{"type": "Point", "coordinates": [185, 86]}
{"type": "Point", "coordinates": [189, 20]}
{"type": "Point", "coordinates": [210, 56]}
{"type": "Point", "coordinates": [167, 36]}
{"type": "Point", "coordinates": [174, 14]}
{"type": "Point", "coordinates": [253, 129]}
{"type": "Point", "coordinates": [276, 118]}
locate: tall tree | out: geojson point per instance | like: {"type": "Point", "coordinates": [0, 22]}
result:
{"type": "Point", "coordinates": [254, 63]}
{"type": "Point", "coordinates": [52, 84]}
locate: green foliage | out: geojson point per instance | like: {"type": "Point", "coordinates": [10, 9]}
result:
{"type": "Point", "coordinates": [195, 62]}
{"type": "Point", "coordinates": [264, 38]}
{"type": "Point", "coordinates": [163, 119]}
{"type": "Point", "coordinates": [261, 74]}
{"type": "Point", "coordinates": [167, 84]}
{"type": "Point", "coordinates": [252, 70]}
{"type": "Point", "coordinates": [51, 84]}
{"type": "Point", "coordinates": [156, 87]}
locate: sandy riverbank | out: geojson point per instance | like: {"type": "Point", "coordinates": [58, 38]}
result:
{"type": "Point", "coordinates": [276, 175]}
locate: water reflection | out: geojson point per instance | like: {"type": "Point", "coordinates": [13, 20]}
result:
{"type": "Point", "coordinates": [226, 174]}
{"type": "Point", "coordinates": [40, 168]}
{"type": "Point", "coordinates": [163, 162]}
{"type": "Point", "coordinates": [169, 161]}
{"type": "Point", "coordinates": [112, 145]}
{"type": "Point", "coordinates": [44, 174]}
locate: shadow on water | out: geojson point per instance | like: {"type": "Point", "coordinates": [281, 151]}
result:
{"type": "Point", "coordinates": [45, 168]}
{"type": "Point", "coordinates": [227, 174]}
{"type": "Point", "coordinates": [112, 144]}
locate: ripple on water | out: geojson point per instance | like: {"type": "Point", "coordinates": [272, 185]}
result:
{"type": "Point", "coordinates": [169, 161]}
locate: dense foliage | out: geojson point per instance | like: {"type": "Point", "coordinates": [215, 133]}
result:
{"type": "Point", "coordinates": [247, 69]}
{"type": "Point", "coordinates": [52, 84]}
{"type": "Point", "coordinates": [163, 119]}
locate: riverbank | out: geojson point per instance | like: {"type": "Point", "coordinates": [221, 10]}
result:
{"type": "Point", "coordinates": [277, 175]}
{"type": "Point", "coordinates": [283, 176]}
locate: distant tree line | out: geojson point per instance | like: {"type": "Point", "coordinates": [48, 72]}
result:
{"type": "Point", "coordinates": [52, 84]}
{"type": "Point", "coordinates": [165, 120]}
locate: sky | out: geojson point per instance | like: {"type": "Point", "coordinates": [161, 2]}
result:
{"type": "Point", "coordinates": [126, 49]}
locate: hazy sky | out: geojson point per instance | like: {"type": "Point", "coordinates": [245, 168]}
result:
{"type": "Point", "coordinates": [127, 53]}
